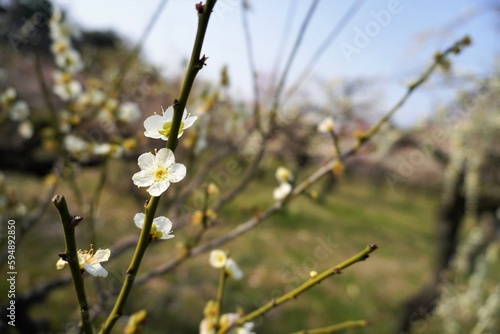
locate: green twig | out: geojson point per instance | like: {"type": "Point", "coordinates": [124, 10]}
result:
{"type": "Point", "coordinates": [253, 67]}
{"type": "Point", "coordinates": [439, 59]}
{"type": "Point", "coordinates": [336, 145]}
{"type": "Point", "coordinates": [334, 328]}
{"type": "Point", "coordinates": [144, 240]}
{"type": "Point", "coordinates": [195, 65]}
{"type": "Point", "coordinates": [220, 296]}
{"type": "Point", "coordinates": [71, 256]}
{"type": "Point", "coordinates": [361, 256]}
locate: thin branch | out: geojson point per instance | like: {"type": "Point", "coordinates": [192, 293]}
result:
{"type": "Point", "coordinates": [36, 214]}
{"type": "Point", "coordinates": [292, 9]}
{"type": "Point", "coordinates": [336, 30]}
{"type": "Point", "coordinates": [282, 81]}
{"type": "Point", "coordinates": [245, 181]}
{"type": "Point", "coordinates": [115, 86]}
{"type": "Point", "coordinates": [200, 176]}
{"type": "Point", "coordinates": [196, 63]}
{"type": "Point", "coordinates": [312, 281]}
{"type": "Point", "coordinates": [334, 328]}
{"type": "Point", "coordinates": [70, 255]}
{"type": "Point", "coordinates": [253, 67]}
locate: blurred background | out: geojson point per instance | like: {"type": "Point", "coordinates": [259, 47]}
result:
{"type": "Point", "coordinates": [78, 78]}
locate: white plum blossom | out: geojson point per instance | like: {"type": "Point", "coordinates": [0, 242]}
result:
{"type": "Point", "coordinates": [64, 121]}
{"type": "Point", "coordinates": [158, 127]}
{"type": "Point", "coordinates": [282, 191]}
{"type": "Point", "coordinates": [60, 46]}
{"type": "Point", "coordinates": [129, 112]}
{"type": "Point", "coordinates": [107, 111]}
{"type": "Point", "coordinates": [228, 319]}
{"type": "Point", "coordinates": [104, 149]}
{"type": "Point", "coordinates": [97, 97]}
{"type": "Point", "coordinates": [217, 258]}
{"type": "Point", "coordinates": [70, 61]}
{"type": "Point", "coordinates": [283, 174]}
{"type": "Point", "coordinates": [25, 129]}
{"type": "Point", "coordinates": [158, 171]}
{"type": "Point", "coordinates": [246, 329]}
{"type": "Point", "coordinates": [206, 327]}
{"type": "Point", "coordinates": [75, 145]}
{"type": "Point", "coordinates": [19, 111]}
{"type": "Point", "coordinates": [90, 261]}
{"type": "Point", "coordinates": [233, 270]}
{"type": "Point", "coordinates": [65, 87]}
{"type": "Point", "coordinates": [8, 96]}
{"type": "Point", "coordinates": [161, 228]}
{"type": "Point", "coordinates": [326, 126]}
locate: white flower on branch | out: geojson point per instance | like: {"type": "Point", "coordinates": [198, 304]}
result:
{"type": "Point", "coordinates": [326, 126]}
{"type": "Point", "coordinates": [25, 129]}
{"type": "Point", "coordinates": [75, 145]}
{"type": "Point", "coordinates": [283, 174]}
{"type": "Point", "coordinates": [233, 270]}
{"type": "Point", "coordinates": [90, 261]}
{"type": "Point", "coordinates": [70, 61]}
{"type": "Point", "coordinates": [129, 112]}
{"type": "Point", "coordinates": [65, 87]}
{"type": "Point", "coordinates": [218, 259]}
{"type": "Point", "coordinates": [157, 171]}
{"type": "Point", "coordinates": [19, 111]}
{"type": "Point", "coordinates": [282, 191]}
{"type": "Point", "coordinates": [158, 127]}
{"type": "Point", "coordinates": [60, 46]}
{"type": "Point", "coordinates": [229, 319]}
{"type": "Point", "coordinates": [8, 96]}
{"type": "Point", "coordinates": [161, 228]}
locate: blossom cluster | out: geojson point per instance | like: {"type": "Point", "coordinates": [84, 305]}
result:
{"type": "Point", "coordinates": [220, 260]}
{"type": "Point", "coordinates": [84, 104]}
{"type": "Point", "coordinates": [160, 169]}
{"type": "Point", "coordinates": [474, 305]}
{"type": "Point", "coordinates": [211, 322]}
{"type": "Point", "coordinates": [17, 111]}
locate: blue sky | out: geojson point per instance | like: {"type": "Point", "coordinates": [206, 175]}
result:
{"type": "Point", "coordinates": [398, 47]}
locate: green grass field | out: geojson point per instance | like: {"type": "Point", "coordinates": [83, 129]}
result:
{"type": "Point", "coordinates": [275, 256]}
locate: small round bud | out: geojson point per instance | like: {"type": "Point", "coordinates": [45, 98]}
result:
{"type": "Point", "coordinates": [313, 274]}
{"type": "Point", "coordinates": [283, 175]}
{"type": "Point", "coordinates": [338, 168]}
{"type": "Point", "coordinates": [466, 41]}
{"type": "Point", "coordinates": [197, 217]}
{"type": "Point", "coordinates": [212, 189]}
